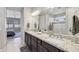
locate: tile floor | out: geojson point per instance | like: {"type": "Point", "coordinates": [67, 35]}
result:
{"type": "Point", "coordinates": [13, 45]}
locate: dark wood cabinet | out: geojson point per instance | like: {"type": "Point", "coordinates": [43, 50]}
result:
{"type": "Point", "coordinates": [37, 45]}
{"type": "Point", "coordinates": [34, 44]}
{"type": "Point", "coordinates": [39, 41]}
{"type": "Point", "coordinates": [41, 48]}
{"type": "Point", "coordinates": [29, 42]}
{"type": "Point", "coordinates": [25, 38]}
{"type": "Point", "coordinates": [49, 47]}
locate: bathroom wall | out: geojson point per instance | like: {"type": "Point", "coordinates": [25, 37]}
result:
{"type": "Point", "coordinates": [2, 27]}
{"type": "Point", "coordinates": [22, 27]}
{"type": "Point", "coordinates": [28, 18]}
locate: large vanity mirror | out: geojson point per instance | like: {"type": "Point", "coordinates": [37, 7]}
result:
{"type": "Point", "coordinates": [59, 24]}
{"type": "Point", "coordinates": [54, 22]}
{"type": "Point", "coordinates": [58, 20]}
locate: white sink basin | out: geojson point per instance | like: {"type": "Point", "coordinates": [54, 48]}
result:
{"type": "Point", "coordinates": [38, 33]}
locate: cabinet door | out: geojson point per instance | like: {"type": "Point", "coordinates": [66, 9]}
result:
{"type": "Point", "coordinates": [41, 48]}
{"type": "Point", "coordinates": [34, 43]}
{"type": "Point", "coordinates": [39, 41]}
{"type": "Point", "coordinates": [26, 38]}
{"type": "Point", "coordinates": [29, 41]}
{"type": "Point", "coordinates": [49, 47]}
{"type": "Point", "coordinates": [34, 49]}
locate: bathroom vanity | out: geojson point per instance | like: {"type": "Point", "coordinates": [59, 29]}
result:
{"type": "Point", "coordinates": [41, 42]}
{"type": "Point", "coordinates": [38, 45]}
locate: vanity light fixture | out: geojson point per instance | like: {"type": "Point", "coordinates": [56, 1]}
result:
{"type": "Point", "coordinates": [36, 13]}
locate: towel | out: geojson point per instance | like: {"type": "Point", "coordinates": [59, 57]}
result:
{"type": "Point", "coordinates": [75, 29]}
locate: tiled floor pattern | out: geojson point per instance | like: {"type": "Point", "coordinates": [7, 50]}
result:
{"type": "Point", "coordinates": [13, 45]}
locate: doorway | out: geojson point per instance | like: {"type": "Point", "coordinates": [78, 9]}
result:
{"type": "Point", "coordinates": [13, 22]}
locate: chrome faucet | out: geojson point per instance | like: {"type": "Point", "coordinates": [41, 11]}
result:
{"type": "Point", "coordinates": [60, 36]}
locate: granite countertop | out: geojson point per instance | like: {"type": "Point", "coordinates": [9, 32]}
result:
{"type": "Point", "coordinates": [63, 44]}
